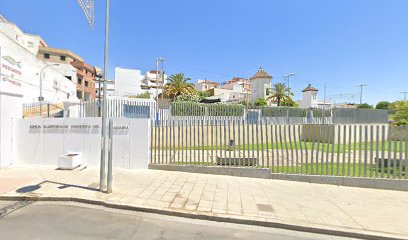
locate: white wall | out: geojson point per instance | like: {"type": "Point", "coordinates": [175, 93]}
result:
{"type": "Point", "coordinates": [128, 82]}
{"type": "Point", "coordinates": [36, 143]}
{"type": "Point", "coordinates": [10, 108]}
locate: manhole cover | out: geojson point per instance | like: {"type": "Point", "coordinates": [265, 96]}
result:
{"type": "Point", "coordinates": [264, 208]}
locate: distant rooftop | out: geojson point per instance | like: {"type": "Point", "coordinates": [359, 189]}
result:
{"type": "Point", "coordinates": [261, 74]}
{"type": "Point", "coordinates": [310, 89]}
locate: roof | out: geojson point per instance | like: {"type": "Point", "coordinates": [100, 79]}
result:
{"type": "Point", "coordinates": [45, 49]}
{"type": "Point", "coordinates": [310, 89]}
{"type": "Point", "coordinates": [261, 74]}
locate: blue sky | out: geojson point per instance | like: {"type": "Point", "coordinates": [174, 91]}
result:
{"type": "Point", "coordinates": [341, 42]}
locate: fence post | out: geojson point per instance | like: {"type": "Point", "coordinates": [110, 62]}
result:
{"type": "Point", "coordinates": [48, 110]}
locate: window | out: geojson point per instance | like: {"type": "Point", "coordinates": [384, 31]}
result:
{"type": "Point", "coordinates": [69, 77]}
{"type": "Point", "coordinates": [30, 44]}
{"type": "Point", "coordinates": [79, 81]}
{"type": "Point", "coordinates": [46, 56]}
{"type": "Point", "coordinates": [62, 58]}
{"type": "Point", "coordinates": [86, 83]}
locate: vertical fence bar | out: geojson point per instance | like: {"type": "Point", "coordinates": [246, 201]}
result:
{"type": "Point", "coordinates": [317, 149]}
{"type": "Point", "coordinates": [228, 142]}
{"type": "Point", "coordinates": [349, 151]}
{"type": "Point", "coordinates": [296, 139]}
{"type": "Point", "coordinates": [371, 149]}
{"type": "Point", "coordinates": [401, 140]}
{"type": "Point", "coordinates": [190, 145]}
{"type": "Point", "coordinates": [225, 141]}
{"type": "Point", "coordinates": [198, 149]}
{"type": "Point", "coordinates": [253, 141]}
{"type": "Point", "coordinates": [151, 142]}
{"type": "Point", "coordinates": [394, 151]}
{"type": "Point", "coordinates": [262, 145]}
{"type": "Point", "coordinates": [382, 149]}
{"type": "Point", "coordinates": [277, 147]}
{"type": "Point", "coordinates": [212, 140]}
{"type": "Point", "coordinates": [312, 136]}
{"type": "Point", "coordinates": [301, 147]}
{"type": "Point", "coordinates": [324, 144]}
{"type": "Point", "coordinates": [281, 145]}
{"type": "Point", "coordinates": [406, 152]}
{"type": "Point", "coordinates": [354, 150]}
{"type": "Point", "coordinates": [243, 140]}
{"type": "Point", "coordinates": [272, 149]}
{"type": "Point", "coordinates": [365, 149]}
{"type": "Point", "coordinates": [267, 144]}
{"type": "Point", "coordinates": [285, 136]}
{"type": "Point", "coordinates": [291, 149]}
{"type": "Point", "coordinates": [360, 141]}
{"type": "Point", "coordinates": [203, 142]}
{"type": "Point", "coordinates": [377, 146]}
{"type": "Point", "coordinates": [233, 137]}
{"type": "Point", "coordinates": [389, 150]}
{"type": "Point", "coordinates": [167, 141]}
{"type": "Point", "coordinates": [174, 141]}
{"type": "Point", "coordinates": [239, 143]}
{"type": "Point", "coordinates": [216, 139]}
{"type": "Point", "coordinates": [257, 140]}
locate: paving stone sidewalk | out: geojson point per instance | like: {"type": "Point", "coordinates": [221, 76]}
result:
{"type": "Point", "coordinates": [359, 210]}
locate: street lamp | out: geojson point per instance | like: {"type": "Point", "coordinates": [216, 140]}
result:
{"type": "Point", "coordinates": [41, 98]}
{"type": "Point", "coordinates": [288, 76]}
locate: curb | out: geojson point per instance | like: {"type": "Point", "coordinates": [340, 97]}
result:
{"type": "Point", "coordinates": [271, 224]}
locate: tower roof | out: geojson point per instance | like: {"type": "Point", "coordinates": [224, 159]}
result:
{"type": "Point", "coordinates": [261, 74]}
{"type": "Point", "coordinates": [310, 89]}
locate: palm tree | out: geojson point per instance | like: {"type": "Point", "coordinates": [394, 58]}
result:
{"type": "Point", "coordinates": [178, 85]}
{"type": "Point", "coordinates": [280, 92]}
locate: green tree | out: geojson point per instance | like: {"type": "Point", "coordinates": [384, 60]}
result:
{"type": "Point", "coordinates": [178, 85]}
{"type": "Point", "coordinates": [383, 105]}
{"type": "Point", "coordinates": [187, 98]}
{"type": "Point", "coordinates": [261, 102]}
{"type": "Point", "coordinates": [280, 93]}
{"type": "Point", "coordinates": [365, 105]}
{"type": "Point", "coordinates": [400, 116]}
{"type": "Point", "coordinates": [204, 94]}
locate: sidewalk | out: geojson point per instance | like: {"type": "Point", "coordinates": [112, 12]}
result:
{"type": "Point", "coordinates": [233, 199]}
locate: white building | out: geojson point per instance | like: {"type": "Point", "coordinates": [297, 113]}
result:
{"type": "Point", "coordinates": [131, 82]}
{"type": "Point", "coordinates": [260, 82]}
{"type": "Point", "coordinates": [226, 95]}
{"type": "Point", "coordinates": [310, 99]}
{"type": "Point", "coordinates": [128, 82]}
{"type": "Point", "coordinates": [205, 85]}
{"type": "Point", "coordinates": [20, 67]}
{"type": "Point", "coordinates": [154, 82]}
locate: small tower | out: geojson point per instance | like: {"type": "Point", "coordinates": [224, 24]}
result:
{"type": "Point", "coordinates": [260, 82]}
{"type": "Point", "coordinates": [309, 97]}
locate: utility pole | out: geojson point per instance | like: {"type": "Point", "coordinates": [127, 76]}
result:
{"type": "Point", "coordinates": [405, 95]}
{"type": "Point", "coordinates": [361, 92]}
{"type": "Point", "coordinates": [287, 76]}
{"type": "Point", "coordinates": [324, 99]}
{"type": "Point", "coordinates": [161, 59]}
{"type": "Point", "coordinates": [157, 91]}
{"type": "Point", "coordinates": [102, 175]}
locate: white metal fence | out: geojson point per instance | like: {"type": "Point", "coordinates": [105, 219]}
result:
{"type": "Point", "coordinates": [362, 150]}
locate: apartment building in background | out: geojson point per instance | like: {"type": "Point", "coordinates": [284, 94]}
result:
{"type": "Point", "coordinates": [84, 73]}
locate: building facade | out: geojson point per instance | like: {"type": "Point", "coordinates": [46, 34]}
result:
{"type": "Point", "coordinates": [85, 73]}
{"type": "Point", "coordinates": [260, 83]}
{"type": "Point", "coordinates": [310, 99]}
{"type": "Point", "coordinates": [33, 77]}
{"type": "Point", "coordinates": [205, 85]}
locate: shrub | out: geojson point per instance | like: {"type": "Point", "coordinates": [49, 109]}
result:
{"type": "Point", "coordinates": [365, 105]}
{"type": "Point", "coordinates": [400, 116]}
{"type": "Point", "coordinates": [261, 102]}
{"type": "Point", "coordinates": [383, 105]}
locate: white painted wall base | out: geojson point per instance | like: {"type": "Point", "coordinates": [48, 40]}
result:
{"type": "Point", "coordinates": [42, 141]}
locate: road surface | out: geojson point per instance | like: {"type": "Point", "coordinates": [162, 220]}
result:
{"type": "Point", "coordinates": [27, 220]}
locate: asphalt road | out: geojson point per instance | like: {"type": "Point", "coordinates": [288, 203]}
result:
{"type": "Point", "coordinates": [25, 220]}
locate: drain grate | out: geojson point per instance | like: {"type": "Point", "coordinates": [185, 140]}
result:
{"type": "Point", "coordinates": [264, 207]}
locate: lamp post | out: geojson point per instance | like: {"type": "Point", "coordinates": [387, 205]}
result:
{"type": "Point", "coordinates": [288, 77]}
{"type": "Point", "coordinates": [102, 175]}
{"type": "Point", "coordinates": [41, 98]}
